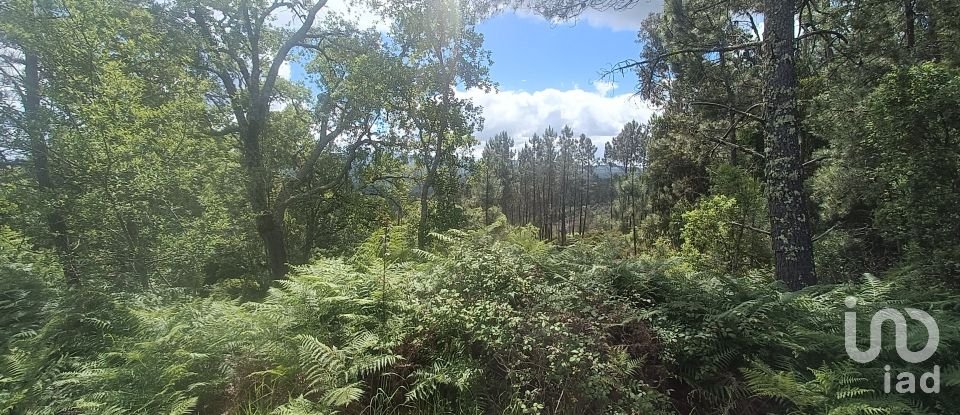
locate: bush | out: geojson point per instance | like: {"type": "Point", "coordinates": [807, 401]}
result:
{"type": "Point", "coordinates": [497, 321]}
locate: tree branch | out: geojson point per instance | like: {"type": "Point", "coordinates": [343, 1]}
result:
{"type": "Point", "coordinates": [815, 160]}
{"type": "Point", "coordinates": [224, 131]}
{"type": "Point", "coordinates": [263, 101]}
{"type": "Point", "coordinates": [751, 151]}
{"type": "Point", "coordinates": [756, 118]}
{"type": "Point", "coordinates": [825, 33]}
{"type": "Point", "coordinates": [630, 63]}
{"type": "Point", "coordinates": [826, 232]}
{"type": "Point", "coordinates": [352, 153]}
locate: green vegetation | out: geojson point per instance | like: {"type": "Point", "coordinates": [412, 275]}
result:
{"type": "Point", "coordinates": [187, 231]}
{"type": "Point", "coordinates": [494, 322]}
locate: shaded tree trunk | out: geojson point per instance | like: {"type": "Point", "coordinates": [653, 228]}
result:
{"type": "Point", "coordinates": [790, 228]}
{"type": "Point", "coordinates": [563, 205]}
{"type": "Point", "coordinates": [613, 190]}
{"type": "Point", "coordinates": [909, 28]}
{"type": "Point", "coordinates": [250, 89]}
{"type": "Point", "coordinates": [583, 225]}
{"type": "Point", "coordinates": [39, 152]}
{"type": "Point", "coordinates": [486, 196]}
{"type": "Point", "coordinates": [423, 228]}
{"type": "Point", "coordinates": [269, 220]}
{"type": "Point", "coordinates": [581, 198]}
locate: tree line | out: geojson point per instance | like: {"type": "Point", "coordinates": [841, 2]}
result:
{"type": "Point", "coordinates": [158, 142]}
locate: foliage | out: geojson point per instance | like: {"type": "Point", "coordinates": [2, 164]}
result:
{"type": "Point", "coordinates": [723, 232]}
{"type": "Point", "coordinates": [155, 165]}
{"type": "Point", "coordinates": [496, 321]}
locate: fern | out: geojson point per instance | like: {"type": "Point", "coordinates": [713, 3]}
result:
{"type": "Point", "coordinates": [343, 395]}
{"type": "Point", "coordinates": [183, 407]}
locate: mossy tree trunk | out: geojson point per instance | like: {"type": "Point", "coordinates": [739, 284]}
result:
{"type": "Point", "coordinates": [790, 227]}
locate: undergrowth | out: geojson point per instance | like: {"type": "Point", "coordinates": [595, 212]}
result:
{"type": "Point", "coordinates": [491, 321]}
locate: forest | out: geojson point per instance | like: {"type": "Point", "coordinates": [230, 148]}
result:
{"type": "Point", "coordinates": [185, 228]}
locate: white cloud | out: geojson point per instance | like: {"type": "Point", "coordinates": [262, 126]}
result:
{"type": "Point", "coordinates": [629, 18]}
{"type": "Point", "coordinates": [598, 114]}
{"type": "Point", "coordinates": [279, 105]}
{"type": "Point", "coordinates": [625, 19]}
{"type": "Point", "coordinates": [604, 87]}
{"type": "Point", "coordinates": [284, 70]}
{"type": "Point", "coordinates": [358, 12]}
{"type": "Point", "coordinates": [361, 14]}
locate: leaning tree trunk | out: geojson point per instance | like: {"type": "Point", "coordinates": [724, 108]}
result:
{"type": "Point", "coordinates": [39, 153]}
{"type": "Point", "coordinates": [790, 228]}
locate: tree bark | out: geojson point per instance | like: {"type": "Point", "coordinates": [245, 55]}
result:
{"type": "Point", "coordinates": [251, 107]}
{"type": "Point", "coordinates": [39, 152]}
{"type": "Point", "coordinates": [268, 218]}
{"type": "Point", "coordinates": [423, 228]}
{"type": "Point", "coordinates": [909, 20]}
{"type": "Point", "coordinates": [486, 196]}
{"type": "Point", "coordinates": [790, 228]}
{"type": "Point", "coordinates": [563, 212]}
{"type": "Point", "coordinates": [586, 211]}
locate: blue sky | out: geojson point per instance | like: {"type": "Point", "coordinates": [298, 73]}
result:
{"type": "Point", "coordinates": [529, 53]}
{"type": "Point", "coordinates": [549, 73]}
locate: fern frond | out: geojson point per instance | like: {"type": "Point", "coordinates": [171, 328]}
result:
{"type": "Point", "coordinates": [343, 395]}
{"type": "Point", "coordinates": [183, 406]}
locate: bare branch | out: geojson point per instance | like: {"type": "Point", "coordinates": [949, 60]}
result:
{"type": "Point", "coordinates": [751, 151]}
{"type": "Point", "coordinates": [754, 117]}
{"type": "Point", "coordinates": [815, 160]}
{"type": "Point", "coordinates": [824, 33]}
{"type": "Point", "coordinates": [826, 232]}
{"type": "Point", "coordinates": [630, 63]}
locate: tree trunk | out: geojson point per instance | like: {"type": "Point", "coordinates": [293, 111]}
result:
{"type": "Point", "coordinates": [586, 191]}
{"type": "Point", "coordinates": [909, 20]}
{"type": "Point", "coordinates": [563, 206]}
{"type": "Point", "coordinates": [269, 220]}
{"type": "Point", "coordinates": [270, 229]}
{"type": "Point", "coordinates": [580, 199]}
{"type": "Point", "coordinates": [633, 210]}
{"type": "Point", "coordinates": [39, 152]}
{"type": "Point", "coordinates": [423, 228]}
{"type": "Point", "coordinates": [486, 196]}
{"type": "Point", "coordinates": [613, 190]}
{"type": "Point", "coordinates": [790, 229]}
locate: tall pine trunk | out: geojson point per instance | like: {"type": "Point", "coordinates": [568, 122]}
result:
{"type": "Point", "coordinates": [586, 211]}
{"type": "Point", "coordinates": [790, 228]}
{"type": "Point", "coordinates": [580, 198]}
{"type": "Point", "coordinates": [563, 205]}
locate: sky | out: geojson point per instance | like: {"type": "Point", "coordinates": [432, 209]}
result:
{"type": "Point", "coordinates": [549, 73]}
